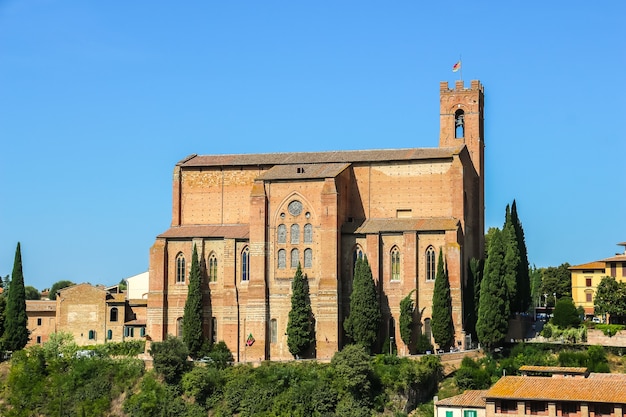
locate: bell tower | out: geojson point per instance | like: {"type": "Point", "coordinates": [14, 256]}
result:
{"type": "Point", "coordinates": [461, 120]}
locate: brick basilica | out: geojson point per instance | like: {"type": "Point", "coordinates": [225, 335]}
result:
{"type": "Point", "coordinates": [254, 217]}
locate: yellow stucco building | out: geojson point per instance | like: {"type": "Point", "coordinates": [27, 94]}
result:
{"type": "Point", "coordinates": [586, 277]}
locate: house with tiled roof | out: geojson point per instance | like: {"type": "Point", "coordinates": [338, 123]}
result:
{"type": "Point", "coordinates": [93, 314]}
{"type": "Point", "coordinates": [253, 218]}
{"type": "Point", "coordinates": [557, 395]}
{"type": "Point", "coordinates": [586, 278]}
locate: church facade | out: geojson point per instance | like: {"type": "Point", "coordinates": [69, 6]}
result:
{"type": "Point", "coordinates": [254, 217]}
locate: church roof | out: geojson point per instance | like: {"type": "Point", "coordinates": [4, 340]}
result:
{"type": "Point", "coordinates": [228, 231]}
{"type": "Point", "coordinates": [304, 171]}
{"type": "Point", "coordinates": [400, 225]}
{"type": "Point", "coordinates": [293, 158]}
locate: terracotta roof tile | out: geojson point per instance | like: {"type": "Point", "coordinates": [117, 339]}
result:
{"type": "Point", "coordinates": [554, 369]}
{"type": "Point", "coordinates": [304, 171]}
{"type": "Point", "coordinates": [590, 265]}
{"type": "Point", "coordinates": [604, 390]}
{"type": "Point", "coordinates": [470, 398]}
{"type": "Point", "coordinates": [371, 155]}
{"type": "Point", "coordinates": [232, 231]}
{"type": "Point", "coordinates": [400, 225]}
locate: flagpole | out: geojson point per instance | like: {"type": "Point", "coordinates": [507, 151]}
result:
{"type": "Point", "coordinates": [461, 71]}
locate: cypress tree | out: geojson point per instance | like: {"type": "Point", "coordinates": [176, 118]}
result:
{"type": "Point", "coordinates": [300, 331]}
{"type": "Point", "coordinates": [15, 331]}
{"type": "Point", "coordinates": [523, 272]}
{"type": "Point", "coordinates": [407, 310]}
{"type": "Point", "coordinates": [442, 325]}
{"type": "Point", "coordinates": [192, 317]}
{"type": "Point", "coordinates": [365, 316]}
{"type": "Point", "coordinates": [511, 262]}
{"type": "Point", "coordinates": [493, 309]}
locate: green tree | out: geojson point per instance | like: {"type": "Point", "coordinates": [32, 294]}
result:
{"type": "Point", "coordinates": [300, 328]}
{"type": "Point", "coordinates": [31, 293]}
{"type": "Point", "coordinates": [565, 314]}
{"type": "Point", "coordinates": [535, 286]}
{"type": "Point", "coordinates": [407, 311]}
{"type": "Point", "coordinates": [170, 359]}
{"type": "Point", "coordinates": [493, 311]}
{"type": "Point", "coordinates": [610, 298]}
{"type": "Point", "coordinates": [556, 281]}
{"type": "Point", "coordinates": [511, 262]}
{"type": "Point", "coordinates": [16, 331]}
{"type": "Point", "coordinates": [442, 324]}
{"type": "Point", "coordinates": [471, 294]}
{"type": "Point", "coordinates": [59, 285]}
{"type": "Point", "coordinates": [364, 319]}
{"type": "Point", "coordinates": [192, 316]}
{"type": "Point", "coordinates": [523, 296]}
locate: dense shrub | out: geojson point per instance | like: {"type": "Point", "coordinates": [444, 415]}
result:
{"type": "Point", "coordinates": [170, 359]}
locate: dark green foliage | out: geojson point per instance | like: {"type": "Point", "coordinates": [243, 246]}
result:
{"type": "Point", "coordinates": [493, 311]}
{"type": "Point", "coordinates": [523, 296]}
{"type": "Point", "coordinates": [59, 285]}
{"type": "Point", "coordinates": [203, 384]}
{"type": "Point", "coordinates": [610, 299]}
{"type": "Point", "coordinates": [156, 399]}
{"type": "Point", "coordinates": [128, 348]}
{"type": "Point", "coordinates": [535, 286]}
{"type": "Point", "coordinates": [364, 320]}
{"type": "Point", "coordinates": [31, 293]}
{"type": "Point", "coordinates": [407, 311]}
{"type": "Point", "coordinates": [565, 314]}
{"type": "Point", "coordinates": [15, 335]}
{"type": "Point", "coordinates": [471, 375]}
{"type": "Point", "coordinates": [511, 262]}
{"type": "Point", "coordinates": [556, 280]}
{"type": "Point", "coordinates": [354, 373]}
{"type": "Point", "coordinates": [192, 317]}
{"type": "Point", "coordinates": [594, 359]}
{"type": "Point", "coordinates": [442, 325]}
{"type": "Point", "coordinates": [423, 344]}
{"type": "Point", "coordinates": [220, 356]}
{"type": "Point", "coordinates": [3, 306]}
{"type": "Point", "coordinates": [300, 328]}
{"type": "Point", "coordinates": [42, 383]}
{"type": "Point", "coordinates": [170, 359]}
{"type": "Point", "coordinates": [471, 295]}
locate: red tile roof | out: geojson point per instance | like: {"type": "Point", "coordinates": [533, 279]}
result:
{"type": "Point", "coordinates": [371, 155]}
{"type": "Point", "coordinates": [400, 225]}
{"type": "Point", "coordinates": [470, 398]}
{"type": "Point", "coordinates": [233, 231]}
{"type": "Point", "coordinates": [303, 171]}
{"type": "Point", "coordinates": [592, 389]}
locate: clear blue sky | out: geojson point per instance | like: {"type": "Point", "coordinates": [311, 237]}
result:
{"type": "Point", "coordinates": [100, 99]}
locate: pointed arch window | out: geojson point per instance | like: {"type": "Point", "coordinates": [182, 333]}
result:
{"type": "Point", "coordinates": [282, 233]}
{"type": "Point", "coordinates": [430, 264]}
{"type": "Point", "coordinates": [180, 268]}
{"type": "Point", "coordinates": [308, 233]}
{"type": "Point", "coordinates": [113, 314]}
{"type": "Point", "coordinates": [212, 267]}
{"type": "Point", "coordinates": [395, 264]}
{"type": "Point", "coordinates": [245, 264]}
{"type": "Point", "coordinates": [459, 124]}
{"type": "Point", "coordinates": [295, 234]}
{"type": "Point", "coordinates": [282, 259]}
{"type": "Point", "coordinates": [295, 258]}
{"type": "Point", "coordinates": [308, 258]}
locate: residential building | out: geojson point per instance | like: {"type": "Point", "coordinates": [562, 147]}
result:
{"type": "Point", "coordinates": [558, 392]}
{"type": "Point", "coordinates": [587, 277]}
{"type": "Point", "coordinates": [92, 314]}
{"type": "Point", "coordinates": [254, 217]}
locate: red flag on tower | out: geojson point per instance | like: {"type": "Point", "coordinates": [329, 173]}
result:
{"type": "Point", "coordinates": [456, 66]}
